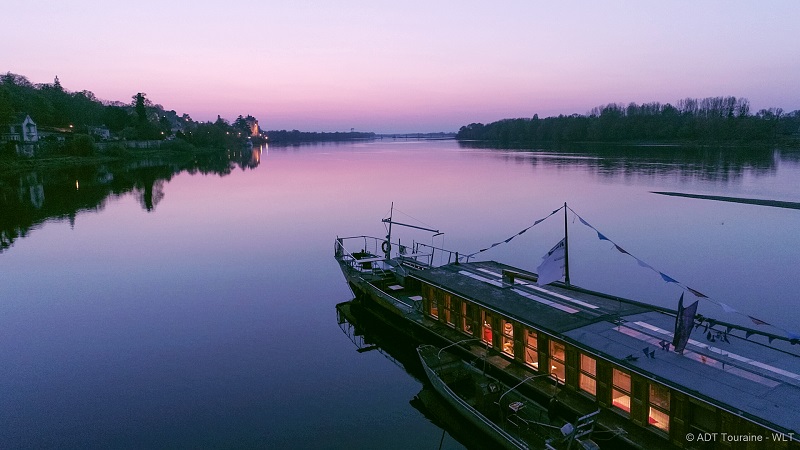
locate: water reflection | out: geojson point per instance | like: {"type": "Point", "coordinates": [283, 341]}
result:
{"type": "Point", "coordinates": [708, 163]}
{"type": "Point", "coordinates": [27, 200]}
{"type": "Point", "coordinates": [369, 332]}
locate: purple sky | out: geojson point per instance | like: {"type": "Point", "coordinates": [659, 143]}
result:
{"type": "Point", "coordinates": [409, 66]}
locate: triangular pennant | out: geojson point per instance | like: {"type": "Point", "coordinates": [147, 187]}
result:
{"type": "Point", "coordinates": [509, 239]}
{"type": "Point", "coordinates": [667, 278]}
{"type": "Point", "coordinates": [696, 293]}
{"type": "Point", "coordinates": [757, 321]}
{"type": "Point", "coordinates": [727, 308]}
{"type": "Point", "coordinates": [601, 237]}
{"type": "Point", "coordinates": [620, 249]}
{"type": "Point", "coordinates": [643, 264]}
{"type": "Point", "coordinates": [585, 222]}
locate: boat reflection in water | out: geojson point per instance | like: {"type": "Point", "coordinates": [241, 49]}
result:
{"type": "Point", "coordinates": [529, 424]}
{"type": "Point", "coordinates": [370, 332]}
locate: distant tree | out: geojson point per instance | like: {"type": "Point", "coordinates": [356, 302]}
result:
{"type": "Point", "coordinates": [116, 118]}
{"type": "Point", "coordinates": [240, 124]}
{"type": "Point", "coordinates": [140, 104]}
{"type": "Point", "coordinates": [81, 145]}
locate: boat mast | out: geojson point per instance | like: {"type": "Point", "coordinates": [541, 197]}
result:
{"type": "Point", "coordinates": [566, 248]}
{"type": "Point", "coordinates": [388, 251]}
{"type": "Point", "coordinates": [389, 236]}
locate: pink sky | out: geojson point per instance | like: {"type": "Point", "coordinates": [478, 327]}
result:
{"type": "Point", "coordinates": [411, 66]}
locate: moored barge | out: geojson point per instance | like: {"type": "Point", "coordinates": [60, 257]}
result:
{"type": "Point", "coordinates": [730, 387]}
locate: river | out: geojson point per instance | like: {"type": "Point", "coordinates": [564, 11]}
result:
{"type": "Point", "coordinates": [193, 305]}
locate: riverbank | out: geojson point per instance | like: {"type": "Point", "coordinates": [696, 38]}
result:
{"type": "Point", "coordinates": [175, 151]}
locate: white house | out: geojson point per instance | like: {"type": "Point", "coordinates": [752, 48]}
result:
{"type": "Point", "coordinates": [22, 130]}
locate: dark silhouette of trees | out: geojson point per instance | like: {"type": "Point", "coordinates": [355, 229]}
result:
{"type": "Point", "coordinates": [305, 136]}
{"type": "Point", "coordinates": [713, 119]}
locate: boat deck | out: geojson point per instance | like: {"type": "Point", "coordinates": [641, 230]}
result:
{"type": "Point", "coordinates": [737, 372]}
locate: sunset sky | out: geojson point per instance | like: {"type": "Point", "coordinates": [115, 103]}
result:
{"type": "Point", "coordinates": [411, 66]}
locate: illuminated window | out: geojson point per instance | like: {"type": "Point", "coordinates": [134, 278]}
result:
{"type": "Point", "coordinates": [659, 407]}
{"type": "Point", "coordinates": [434, 305]}
{"type": "Point", "coordinates": [587, 380]}
{"type": "Point", "coordinates": [531, 352]}
{"type": "Point", "coordinates": [486, 327]}
{"type": "Point", "coordinates": [448, 309]}
{"type": "Point", "coordinates": [508, 338]}
{"type": "Point", "coordinates": [467, 314]}
{"type": "Point", "coordinates": [621, 392]}
{"type": "Point", "coordinates": [557, 357]}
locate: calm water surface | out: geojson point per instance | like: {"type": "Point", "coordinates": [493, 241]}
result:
{"type": "Point", "coordinates": [160, 307]}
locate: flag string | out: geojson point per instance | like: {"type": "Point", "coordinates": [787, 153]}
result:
{"type": "Point", "coordinates": [725, 307]}
{"type": "Point", "coordinates": [506, 241]}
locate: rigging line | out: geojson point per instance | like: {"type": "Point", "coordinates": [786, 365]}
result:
{"type": "Point", "coordinates": [412, 217]}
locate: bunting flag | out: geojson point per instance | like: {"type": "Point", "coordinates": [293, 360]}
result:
{"type": "Point", "coordinates": [700, 294]}
{"type": "Point", "coordinates": [757, 321]}
{"type": "Point", "coordinates": [667, 278]}
{"type": "Point", "coordinates": [553, 266]}
{"type": "Point", "coordinates": [683, 325]}
{"type": "Point", "coordinates": [537, 222]}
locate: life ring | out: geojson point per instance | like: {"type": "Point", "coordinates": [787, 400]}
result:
{"type": "Point", "coordinates": [386, 247]}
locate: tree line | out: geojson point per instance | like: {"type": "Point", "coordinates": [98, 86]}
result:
{"type": "Point", "coordinates": [306, 136]}
{"type": "Point", "coordinates": [78, 112]}
{"type": "Point", "coordinates": [712, 119]}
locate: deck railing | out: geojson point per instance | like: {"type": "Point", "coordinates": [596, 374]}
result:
{"type": "Point", "coordinates": [360, 252]}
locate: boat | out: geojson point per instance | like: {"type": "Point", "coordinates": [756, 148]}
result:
{"type": "Point", "coordinates": [513, 420]}
{"type": "Point", "coordinates": [661, 377]}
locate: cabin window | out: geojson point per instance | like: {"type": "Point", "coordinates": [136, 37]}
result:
{"type": "Point", "coordinates": [659, 407]}
{"type": "Point", "coordinates": [557, 357]}
{"type": "Point", "coordinates": [621, 391]}
{"type": "Point", "coordinates": [448, 309]}
{"type": "Point", "coordinates": [508, 338]}
{"type": "Point", "coordinates": [466, 317]}
{"type": "Point", "coordinates": [531, 349]}
{"type": "Point", "coordinates": [486, 328]}
{"type": "Point", "coordinates": [434, 305]}
{"type": "Point", "coordinates": [588, 377]}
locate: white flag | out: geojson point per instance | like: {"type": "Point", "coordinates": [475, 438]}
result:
{"type": "Point", "coordinates": [553, 266]}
